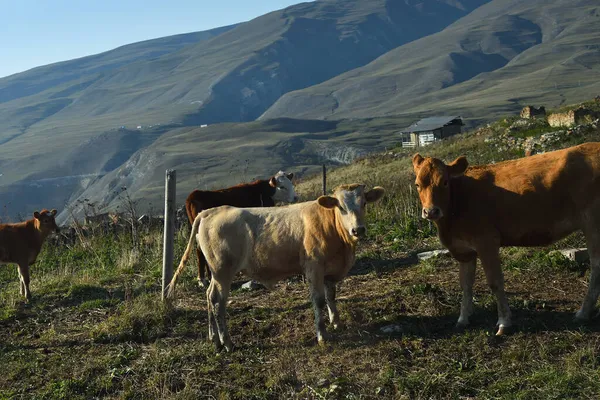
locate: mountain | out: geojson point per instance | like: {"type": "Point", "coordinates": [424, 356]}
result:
{"type": "Point", "coordinates": [502, 56]}
{"type": "Point", "coordinates": [62, 124]}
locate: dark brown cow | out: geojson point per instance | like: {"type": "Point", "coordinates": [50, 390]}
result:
{"type": "Point", "coordinates": [532, 201]}
{"type": "Point", "coordinates": [260, 193]}
{"type": "Point", "coordinates": [21, 243]}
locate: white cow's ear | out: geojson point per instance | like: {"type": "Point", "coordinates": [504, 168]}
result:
{"type": "Point", "coordinates": [273, 182]}
{"type": "Point", "coordinates": [458, 166]}
{"type": "Point", "coordinates": [328, 202]}
{"type": "Point", "coordinates": [36, 215]}
{"type": "Point", "coordinates": [374, 194]}
{"type": "Point", "coordinates": [53, 212]}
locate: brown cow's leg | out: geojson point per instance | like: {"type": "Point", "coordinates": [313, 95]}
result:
{"type": "Point", "coordinates": [589, 302]}
{"type": "Point", "coordinates": [24, 275]}
{"type": "Point", "coordinates": [467, 278]}
{"type": "Point", "coordinates": [203, 271]}
{"type": "Point", "coordinates": [330, 291]}
{"type": "Point", "coordinates": [317, 294]}
{"type": "Point", "coordinates": [490, 260]}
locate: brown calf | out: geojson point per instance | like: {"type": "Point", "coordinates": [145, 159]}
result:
{"type": "Point", "coordinates": [532, 201]}
{"type": "Point", "coordinates": [260, 193]}
{"type": "Point", "coordinates": [21, 243]}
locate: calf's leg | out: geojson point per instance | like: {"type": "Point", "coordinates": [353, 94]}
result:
{"type": "Point", "coordinates": [490, 260]}
{"type": "Point", "coordinates": [467, 278]}
{"type": "Point", "coordinates": [24, 275]}
{"type": "Point", "coordinates": [330, 291]}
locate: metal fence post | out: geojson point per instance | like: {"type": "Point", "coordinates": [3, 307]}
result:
{"type": "Point", "coordinates": [169, 229]}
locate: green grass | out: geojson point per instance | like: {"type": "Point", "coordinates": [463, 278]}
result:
{"type": "Point", "coordinates": [96, 327]}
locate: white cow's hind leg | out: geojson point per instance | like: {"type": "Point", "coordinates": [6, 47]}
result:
{"type": "Point", "coordinates": [222, 288]}
{"type": "Point", "coordinates": [467, 278]}
{"type": "Point", "coordinates": [211, 300]}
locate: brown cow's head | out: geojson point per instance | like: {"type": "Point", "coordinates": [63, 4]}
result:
{"type": "Point", "coordinates": [284, 188]}
{"type": "Point", "coordinates": [45, 221]}
{"type": "Point", "coordinates": [349, 202]}
{"type": "Point", "coordinates": [433, 183]}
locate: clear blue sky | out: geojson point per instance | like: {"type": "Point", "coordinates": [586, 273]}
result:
{"type": "Point", "coordinates": [39, 32]}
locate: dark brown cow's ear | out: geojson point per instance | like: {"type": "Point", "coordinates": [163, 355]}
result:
{"type": "Point", "coordinates": [36, 215]}
{"type": "Point", "coordinates": [417, 160]}
{"type": "Point", "coordinates": [290, 176]}
{"type": "Point", "coordinates": [458, 166]}
{"type": "Point", "coordinates": [328, 202]}
{"type": "Point", "coordinates": [53, 212]}
{"type": "Point", "coordinates": [374, 194]}
{"type": "Point", "coordinates": [273, 182]}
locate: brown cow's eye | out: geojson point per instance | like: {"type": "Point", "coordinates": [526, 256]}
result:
{"type": "Point", "coordinates": [445, 183]}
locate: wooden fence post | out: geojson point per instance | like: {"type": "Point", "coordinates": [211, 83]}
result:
{"type": "Point", "coordinates": [324, 180]}
{"type": "Point", "coordinates": [169, 229]}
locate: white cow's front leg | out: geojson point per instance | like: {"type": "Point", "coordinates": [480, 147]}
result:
{"type": "Point", "coordinates": [330, 292]}
{"type": "Point", "coordinates": [314, 274]}
{"type": "Point", "coordinates": [467, 278]}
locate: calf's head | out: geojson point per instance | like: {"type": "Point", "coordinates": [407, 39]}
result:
{"type": "Point", "coordinates": [44, 221]}
{"type": "Point", "coordinates": [350, 202]}
{"type": "Point", "coordinates": [284, 188]}
{"type": "Point", "coordinates": [433, 183]}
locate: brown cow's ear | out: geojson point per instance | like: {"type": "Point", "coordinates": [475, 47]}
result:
{"type": "Point", "coordinates": [374, 194]}
{"type": "Point", "coordinates": [458, 166]}
{"type": "Point", "coordinates": [273, 181]}
{"type": "Point", "coordinates": [53, 212]}
{"type": "Point", "coordinates": [328, 202]}
{"type": "Point", "coordinates": [36, 215]}
{"type": "Point", "coordinates": [290, 176]}
{"type": "Point", "coordinates": [417, 160]}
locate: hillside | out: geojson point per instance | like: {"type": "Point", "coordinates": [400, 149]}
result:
{"type": "Point", "coordinates": [226, 75]}
{"type": "Point", "coordinates": [502, 56]}
{"type": "Point", "coordinates": [96, 327]}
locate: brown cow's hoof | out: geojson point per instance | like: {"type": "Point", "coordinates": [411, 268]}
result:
{"type": "Point", "coordinates": [503, 330]}
{"type": "Point", "coordinates": [203, 283]}
{"type": "Point", "coordinates": [229, 347]}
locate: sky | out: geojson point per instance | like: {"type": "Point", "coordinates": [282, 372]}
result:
{"type": "Point", "coordinates": [40, 32]}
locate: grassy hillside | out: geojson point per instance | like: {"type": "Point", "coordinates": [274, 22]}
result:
{"type": "Point", "coordinates": [502, 56]}
{"type": "Point", "coordinates": [96, 327]}
{"type": "Point", "coordinates": [229, 74]}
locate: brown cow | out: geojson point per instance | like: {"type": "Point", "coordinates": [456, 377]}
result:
{"type": "Point", "coordinates": [532, 201]}
{"type": "Point", "coordinates": [260, 193]}
{"type": "Point", "coordinates": [21, 243]}
{"type": "Point", "coordinates": [316, 238]}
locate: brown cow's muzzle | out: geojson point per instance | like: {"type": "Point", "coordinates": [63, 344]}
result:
{"type": "Point", "coordinates": [432, 213]}
{"type": "Point", "coordinates": [359, 232]}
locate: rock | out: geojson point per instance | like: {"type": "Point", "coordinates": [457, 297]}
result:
{"type": "Point", "coordinates": [578, 255]}
{"type": "Point", "coordinates": [252, 285]}
{"type": "Point", "coordinates": [391, 329]}
{"type": "Point", "coordinates": [434, 253]}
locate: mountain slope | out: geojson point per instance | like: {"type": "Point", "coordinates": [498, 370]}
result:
{"type": "Point", "coordinates": [235, 74]}
{"type": "Point", "coordinates": [495, 60]}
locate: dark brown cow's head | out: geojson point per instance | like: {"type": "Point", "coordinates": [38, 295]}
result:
{"type": "Point", "coordinates": [433, 183]}
{"type": "Point", "coordinates": [45, 221]}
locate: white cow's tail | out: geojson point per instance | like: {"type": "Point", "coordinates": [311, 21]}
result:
{"type": "Point", "coordinates": [186, 256]}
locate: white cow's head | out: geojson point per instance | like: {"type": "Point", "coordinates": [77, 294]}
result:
{"type": "Point", "coordinates": [284, 188]}
{"type": "Point", "coordinates": [350, 202]}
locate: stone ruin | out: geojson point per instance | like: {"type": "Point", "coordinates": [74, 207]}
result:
{"type": "Point", "coordinates": [531, 112]}
{"type": "Point", "coordinates": [570, 118]}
